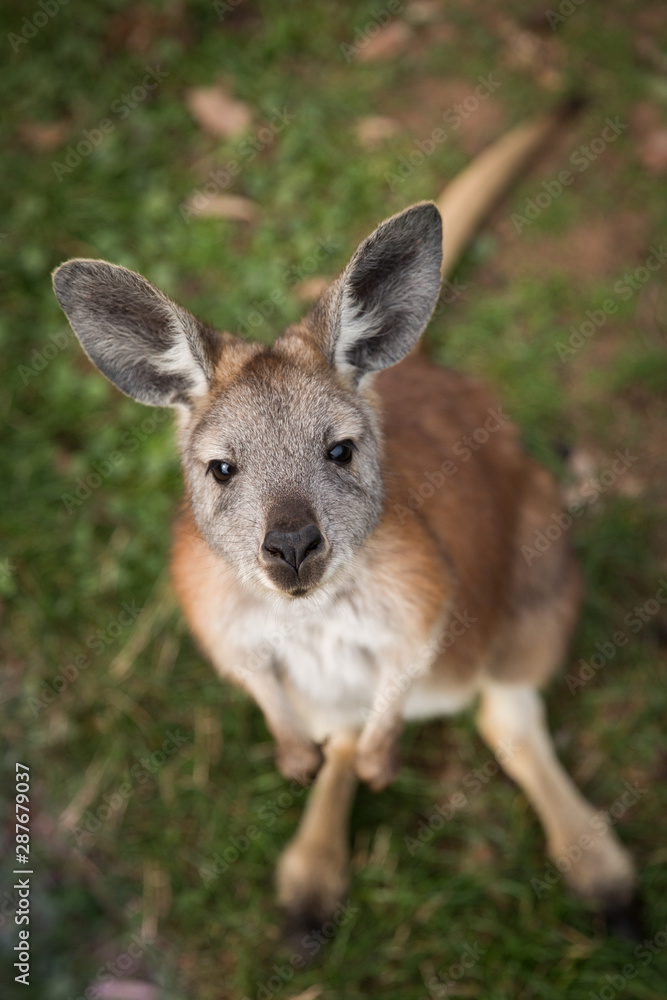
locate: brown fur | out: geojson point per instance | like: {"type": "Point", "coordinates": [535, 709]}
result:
{"type": "Point", "coordinates": [462, 545]}
{"type": "Point", "coordinates": [354, 545]}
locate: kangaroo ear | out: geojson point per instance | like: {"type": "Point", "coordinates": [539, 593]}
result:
{"type": "Point", "coordinates": [145, 344]}
{"type": "Point", "coordinates": [385, 297]}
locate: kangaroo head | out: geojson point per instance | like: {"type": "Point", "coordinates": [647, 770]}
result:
{"type": "Point", "coordinates": [281, 446]}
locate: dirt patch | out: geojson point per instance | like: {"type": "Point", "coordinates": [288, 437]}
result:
{"type": "Point", "coordinates": [531, 47]}
{"type": "Point", "coordinates": [649, 130]}
{"type": "Point", "coordinates": [591, 250]}
{"type": "Point", "coordinates": [465, 109]}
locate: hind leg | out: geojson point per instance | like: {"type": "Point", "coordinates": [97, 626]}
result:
{"type": "Point", "coordinates": [312, 876]}
{"type": "Point", "coordinates": [511, 720]}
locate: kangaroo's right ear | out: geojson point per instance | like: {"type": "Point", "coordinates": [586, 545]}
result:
{"type": "Point", "coordinates": [375, 312]}
{"type": "Point", "coordinates": [145, 344]}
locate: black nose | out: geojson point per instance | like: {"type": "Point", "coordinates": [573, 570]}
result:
{"type": "Point", "coordinates": [294, 547]}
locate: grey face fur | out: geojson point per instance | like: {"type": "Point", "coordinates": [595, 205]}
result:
{"type": "Point", "coordinates": [272, 414]}
{"type": "Point", "coordinates": [275, 426]}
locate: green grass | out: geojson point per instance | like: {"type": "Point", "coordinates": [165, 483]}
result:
{"type": "Point", "coordinates": [68, 565]}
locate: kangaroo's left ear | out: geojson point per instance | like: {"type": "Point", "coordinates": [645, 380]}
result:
{"type": "Point", "coordinates": [378, 308]}
{"type": "Point", "coordinates": [148, 346]}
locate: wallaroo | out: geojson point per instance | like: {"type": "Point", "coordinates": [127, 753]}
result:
{"type": "Point", "coordinates": [304, 573]}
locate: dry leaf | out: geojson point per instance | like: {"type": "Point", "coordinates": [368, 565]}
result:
{"type": "Point", "coordinates": [372, 129]}
{"type": "Point", "coordinates": [222, 206]}
{"type": "Point", "coordinates": [217, 112]}
{"type": "Point", "coordinates": [311, 993]}
{"type": "Point", "coordinates": [44, 138]}
{"type": "Point", "coordinates": [423, 11]}
{"type": "Point", "coordinates": [649, 53]}
{"type": "Point", "coordinates": [649, 130]}
{"type": "Point", "coordinates": [140, 26]}
{"type": "Point", "coordinates": [126, 989]}
{"type": "Point", "coordinates": [593, 249]}
{"type": "Point", "coordinates": [424, 101]}
{"type": "Point", "coordinates": [653, 152]}
{"type": "Point", "coordinates": [586, 468]}
{"type": "Point", "coordinates": [544, 56]}
{"type": "Point", "coordinates": [384, 44]}
{"type": "Point", "coordinates": [312, 288]}
{"type": "Point", "coordinates": [652, 18]}
{"type": "Point", "coordinates": [582, 464]}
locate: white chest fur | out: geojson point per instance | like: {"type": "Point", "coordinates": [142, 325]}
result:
{"type": "Point", "coordinates": [331, 662]}
{"type": "Point", "coordinates": [329, 657]}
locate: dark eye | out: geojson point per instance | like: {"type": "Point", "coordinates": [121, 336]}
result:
{"type": "Point", "coordinates": [341, 453]}
{"type": "Point", "coordinates": [222, 471]}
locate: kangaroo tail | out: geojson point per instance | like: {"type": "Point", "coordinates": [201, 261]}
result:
{"type": "Point", "coordinates": [467, 200]}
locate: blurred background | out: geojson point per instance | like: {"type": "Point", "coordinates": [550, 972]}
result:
{"type": "Point", "coordinates": [235, 152]}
